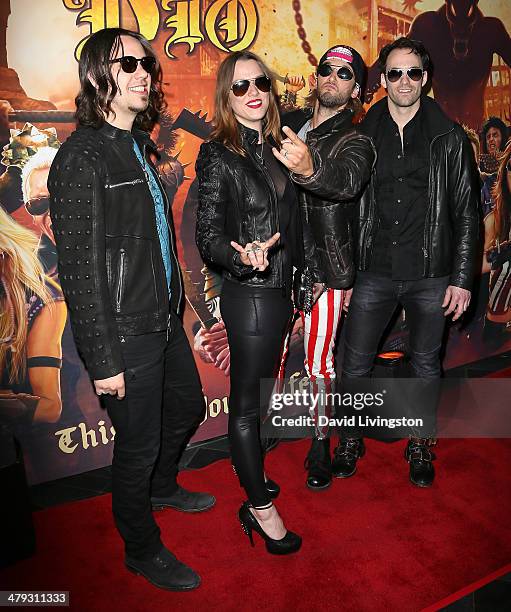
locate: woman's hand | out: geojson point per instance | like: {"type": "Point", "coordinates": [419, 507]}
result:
{"type": "Point", "coordinates": [255, 253]}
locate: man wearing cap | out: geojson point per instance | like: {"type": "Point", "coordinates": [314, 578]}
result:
{"type": "Point", "coordinates": [418, 235]}
{"type": "Point", "coordinates": [332, 164]}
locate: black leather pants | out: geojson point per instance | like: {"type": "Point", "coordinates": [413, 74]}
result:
{"type": "Point", "coordinates": [256, 320]}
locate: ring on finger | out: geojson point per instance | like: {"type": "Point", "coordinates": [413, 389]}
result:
{"type": "Point", "coordinates": [285, 153]}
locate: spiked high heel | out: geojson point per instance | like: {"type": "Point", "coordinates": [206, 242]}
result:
{"type": "Point", "coordinates": [290, 543]}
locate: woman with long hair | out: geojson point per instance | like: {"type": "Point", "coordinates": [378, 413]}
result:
{"type": "Point", "coordinates": [32, 319]}
{"type": "Point", "coordinates": [248, 224]}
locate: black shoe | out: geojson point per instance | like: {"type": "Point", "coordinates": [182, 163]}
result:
{"type": "Point", "coordinates": [418, 455]}
{"type": "Point", "coordinates": [290, 543]}
{"type": "Point", "coordinates": [165, 571]}
{"type": "Point", "coordinates": [319, 465]}
{"type": "Point", "coordinates": [346, 455]}
{"type": "Point", "coordinates": [273, 488]}
{"type": "Point", "coordinates": [184, 500]}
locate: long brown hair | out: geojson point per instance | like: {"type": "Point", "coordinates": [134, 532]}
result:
{"type": "Point", "coordinates": [502, 198]}
{"type": "Point", "coordinates": [225, 128]}
{"type": "Point", "coordinates": [93, 104]}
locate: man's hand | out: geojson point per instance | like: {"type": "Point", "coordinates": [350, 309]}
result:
{"type": "Point", "coordinates": [255, 253]}
{"type": "Point", "coordinates": [347, 299]}
{"type": "Point", "coordinates": [456, 300]}
{"type": "Point", "coordinates": [213, 347]}
{"type": "Point", "coordinates": [317, 291]}
{"type": "Point", "coordinates": [295, 154]}
{"type": "Point", "coordinates": [111, 386]}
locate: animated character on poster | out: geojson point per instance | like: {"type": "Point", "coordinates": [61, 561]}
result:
{"type": "Point", "coordinates": [461, 42]}
{"type": "Point", "coordinates": [498, 256]}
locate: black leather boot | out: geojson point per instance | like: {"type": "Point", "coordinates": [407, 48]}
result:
{"type": "Point", "coordinates": [318, 465]}
{"type": "Point", "coordinates": [419, 456]}
{"type": "Point", "coordinates": [346, 455]}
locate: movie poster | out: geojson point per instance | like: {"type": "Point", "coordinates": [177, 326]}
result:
{"type": "Point", "coordinates": [46, 396]}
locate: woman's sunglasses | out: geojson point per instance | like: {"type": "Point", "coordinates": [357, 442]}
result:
{"type": "Point", "coordinates": [343, 73]}
{"type": "Point", "coordinates": [394, 74]}
{"type": "Point", "coordinates": [240, 88]}
{"type": "Point", "coordinates": [129, 63]}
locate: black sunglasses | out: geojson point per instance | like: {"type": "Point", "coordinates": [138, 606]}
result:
{"type": "Point", "coordinates": [38, 206]}
{"type": "Point", "coordinates": [240, 88]}
{"type": "Point", "coordinates": [394, 74]}
{"type": "Point", "coordinates": [343, 72]}
{"type": "Point", "coordinates": [129, 63]}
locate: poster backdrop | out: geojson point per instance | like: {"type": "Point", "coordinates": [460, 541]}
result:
{"type": "Point", "coordinates": [39, 43]}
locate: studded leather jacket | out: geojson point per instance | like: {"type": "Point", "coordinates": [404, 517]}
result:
{"type": "Point", "coordinates": [343, 161]}
{"type": "Point", "coordinates": [237, 201]}
{"type": "Point", "coordinates": [110, 263]}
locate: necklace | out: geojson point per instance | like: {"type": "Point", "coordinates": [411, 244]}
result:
{"type": "Point", "coordinates": [260, 156]}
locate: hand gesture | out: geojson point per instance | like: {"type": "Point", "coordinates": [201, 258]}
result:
{"type": "Point", "coordinates": [255, 253]}
{"type": "Point", "coordinates": [294, 154]}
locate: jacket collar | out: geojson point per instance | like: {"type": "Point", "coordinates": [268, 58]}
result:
{"type": "Point", "coordinates": [341, 121]}
{"type": "Point", "coordinates": [436, 121]}
{"type": "Point", "coordinates": [114, 133]}
{"type": "Point", "coordinates": [248, 135]}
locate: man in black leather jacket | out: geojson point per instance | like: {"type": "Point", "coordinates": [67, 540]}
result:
{"type": "Point", "coordinates": [417, 239]}
{"type": "Point", "coordinates": [121, 278]}
{"type": "Point", "coordinates": [332, 165]}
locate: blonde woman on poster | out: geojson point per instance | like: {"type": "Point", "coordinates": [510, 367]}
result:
{"type": "Point", "coordinates": [32, 319]}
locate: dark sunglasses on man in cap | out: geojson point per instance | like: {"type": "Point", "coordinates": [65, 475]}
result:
{"type": "Point", "coordinates": [343, 73]}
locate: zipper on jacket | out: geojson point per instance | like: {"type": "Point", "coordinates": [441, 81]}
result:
{"type": "Point", "coordinates": [121, 280]}
{"type": "Point", "coordinates": [133, 182]}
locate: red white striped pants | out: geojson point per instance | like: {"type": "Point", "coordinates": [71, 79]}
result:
{"type": "Point", "coordinates": [320, 331]}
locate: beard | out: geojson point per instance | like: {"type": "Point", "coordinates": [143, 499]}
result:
{"type": "Point", "coordinates": [329, 99]}
{"type": "Point", "coordinates": [141, 107]}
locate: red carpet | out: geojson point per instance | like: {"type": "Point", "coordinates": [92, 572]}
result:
{"type": "Point", "coordinates": [372, 542]}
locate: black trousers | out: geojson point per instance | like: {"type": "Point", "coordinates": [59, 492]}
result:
{"type": "Point", "coordinates": [374, 301]}
{"type": "Point", "coordinates": [256, 321]}
{"type": "Point", "coordinates": [162, 408]}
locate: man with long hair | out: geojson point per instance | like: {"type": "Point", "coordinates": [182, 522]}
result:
{"type": "Point", "coordinates": [332, 165]}
{"type": "Point", "coordinates": [120, 274]}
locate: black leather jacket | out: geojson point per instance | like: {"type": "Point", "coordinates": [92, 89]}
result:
{"type": "Point", "coordinates": [343, 162]}
{"type": "Point", "coordinates": [237, 201]}
{"type": "Point", "coordinates": [110, 263]}
{"type": "Point", "coordinates": [452, 227]}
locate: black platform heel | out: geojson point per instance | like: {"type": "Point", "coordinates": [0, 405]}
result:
{"type": "Point", "coordinates": [273, 488]}
{"type": "Point", "coordinates": [290, 543]}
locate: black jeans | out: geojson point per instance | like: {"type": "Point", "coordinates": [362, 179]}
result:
{"type": "Point", "coordinates": [374, 301]}
{"type": "Point", "coordinates": [162, 408]}
{"type": "Point", "coordinates": [256, 321]}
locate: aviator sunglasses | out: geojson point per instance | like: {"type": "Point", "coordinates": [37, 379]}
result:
{"type": "Point", "coordinates": [129, 63]}
{"type": "Point", "coordinates": [240, 88]}
{"type": "Point", "coordinates": [394, 74]}
{"type": "Point", "coordinates": [343, 73]}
